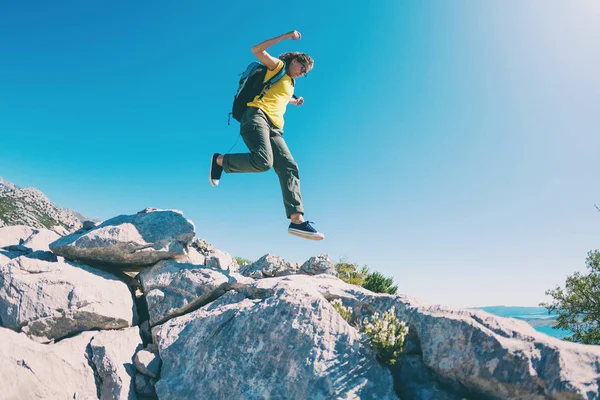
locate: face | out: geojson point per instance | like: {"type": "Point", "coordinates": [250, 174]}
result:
{"type": "Point", "coordinates": [298, 69]}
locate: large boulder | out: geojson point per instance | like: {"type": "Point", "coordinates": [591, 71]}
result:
{"type": "Point", "coordinates": [271, 265]}
{"type": "Point", "coordinates": [172, 288]}
{"type": "Point", "coordinates": [276, 339]}
{"type": "Point", "coordinates": [112, 354]}
{"type": "Point", "coordinates": [52, 300]}
{"type": "Point", "coordinates": [130, 240]}
{"type": "Point", "coordinates": [319, 265]}
{"type": "Point", "coordinates": [35, 239]}
{"type": "Point", "coordinates": [201, 252]}
{"type": "Point", "coordinates": [91, 365]}
{"type": "Point", "coordinates": [475, 354]}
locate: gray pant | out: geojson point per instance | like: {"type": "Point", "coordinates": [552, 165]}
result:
{"type": "Point", "coordinates": [267, 149]}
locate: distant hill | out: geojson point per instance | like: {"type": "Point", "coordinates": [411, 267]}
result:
{"type": "Point", "coordinates": [32, 208]}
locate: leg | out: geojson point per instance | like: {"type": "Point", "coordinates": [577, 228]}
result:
{"type": "Point", "coordinates": [289, 180]}
{"type": "Point", "coordinates": [254, 129]}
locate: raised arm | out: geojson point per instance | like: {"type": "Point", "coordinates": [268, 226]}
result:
{"type": "Point", "coordinates": [260, 50]}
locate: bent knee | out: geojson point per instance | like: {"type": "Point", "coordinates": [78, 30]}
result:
{"type": "Point", "coordinates": [263, 164]}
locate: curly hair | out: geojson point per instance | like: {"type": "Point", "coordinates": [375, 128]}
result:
{"type": "Point", "coordinates": [304, 58]}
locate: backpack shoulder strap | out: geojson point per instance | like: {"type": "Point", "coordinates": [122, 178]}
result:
{"type": "Point", "coordinates": [275, 78]}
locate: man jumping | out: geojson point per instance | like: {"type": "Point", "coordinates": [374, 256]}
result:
{"type": "Point", "coordinates": [261, 127]}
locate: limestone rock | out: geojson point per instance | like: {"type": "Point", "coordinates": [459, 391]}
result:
{"type": "Point", "coordinates": [319, 265]}
{"type": "Point", "coordinates": [129, 240]}
{"type": "Point", "coordinates": [144, 386]}
{"type": "Point", "coordinates": [267, 266]}
{"type": "Point", "coordinates": [88, 366]}
{"type": "Point", "coordinates": [483, 355]}
{"type": "Point", "coordinates": [35, 239]}
{"type": "Point", "coordinates": [147, 363]}
{"type": "Point", "coordinates": [202, 252]}
{"type": "Point", "coordinates": [174, 288]}
{"type": "Point", "coordinates": [274, 339]}
{"type": "Point", "coordinates": [51, 300]}
{"type": "Point", "coordinates": [112, 353]}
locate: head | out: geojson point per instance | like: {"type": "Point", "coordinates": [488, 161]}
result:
{"type": "Point", "coordinates": [297, 64]}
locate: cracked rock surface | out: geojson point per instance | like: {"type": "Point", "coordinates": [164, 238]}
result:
{"type": "Point", "coordinates": [136, 240]}
{"type": "Point", "coordinates": [174, 288]}
{"type": "Point", "coordinates": [286, 342]}
{"type": "Point", "coordinates": [52, 300]}
{"type": "Point", "coordinates": [91, 365]}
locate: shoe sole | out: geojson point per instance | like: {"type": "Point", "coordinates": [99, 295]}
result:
{"type": "Point", "coordinates": [210, 179]}
{"type": "Point", "coordinates": [306, 235]}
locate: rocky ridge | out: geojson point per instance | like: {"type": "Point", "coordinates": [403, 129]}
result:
{"type": "Point", "coordinates": [30, 207]}
{"type": "Point", "coordinates": [193, 324]}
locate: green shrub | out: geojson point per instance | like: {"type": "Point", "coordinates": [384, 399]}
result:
{"type": "Point", "coordinates": [345, 312]}
{"type": "Point", "coordinates": [386, 335]}
{"type": "Point", "coordinates": [378, 283]}
{"type": "Point", "coordinates": [373, 281]}
{"type": "Point", "coordinates": [350, 273]}
{"type": "Point", "coordinates": [242, 261]}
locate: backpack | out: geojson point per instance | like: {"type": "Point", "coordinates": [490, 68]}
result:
{"type": "Point", "coordinates": [252, 84]}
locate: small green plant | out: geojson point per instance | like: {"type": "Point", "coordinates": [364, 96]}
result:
{"type": "Point", "coordinates": [362, 276]}
{"type": "Point", "coordinates": [242, 261]}
{"type": "Point", "coordinates": [378, 283]}
{"type": "Point", "coordinates": [386, 335]}
{"type": "Point", "coordinates": [345, 312]}
{"type": "Point", "coordinates": [351, 273]}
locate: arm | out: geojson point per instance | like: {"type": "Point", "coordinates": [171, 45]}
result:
{"type": "Point", "coordinates": [297, 101]}
{"type": "Point", "coordinates": [260, 50]}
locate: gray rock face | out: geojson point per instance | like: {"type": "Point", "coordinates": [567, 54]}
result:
{"type": "Point", "coordinates": [174, 288]}
{"type": "Point", "coordinates": [69, 369]}
{"type": "Point", "coordinates": [30, 207]}
{"type": "Point", "coordinates": [30, 370]}
{"type": "Point", "coordinates": [51, 300]}
{"type": "Point", "coordinates": [144, 386]}
{"type": "Point", "coordinates": [268, 266]}
{"type": "Point", "coordinates": [207, 254]}
{"type": "Point", "coordinates": [130, 240]}
{"type": "Point", "coordinates": [319, 265]}
{"type": "Point", "coordinates": [147, 363]}
{"type": "Point", "coordinates": [35, 239]}
{"type": "Point", "coordinates": [275, 339]}
{"type": "Point", "coordinates": [271, 265]}
{"type": "Point", "coordinates": [481, 355]}
{"type": "Point", "coordinates": [112, 355]}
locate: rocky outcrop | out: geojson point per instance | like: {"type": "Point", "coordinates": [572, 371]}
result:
{"type": "Point", "coordinates": [288, 338]}
{"type": "Point", "coordinates": [475, 354]}
{"type": "Point", "coordinates": [136, 240]}
{"type": "Point", "coordinates": [203, 253]}
{"type": "Point", "coordinates": [268, 266]}
{"type": "Point", "coordinates": [218, 334]}
{"type": "Point", "coordinates": [271, 265]}
{"type": "Point", "coordinates": [30, 207]}
{"type": "Point", "coordinates": [174, 288]}
{"type": "Point", "coordinates": [35, 239]}
{"type": "Point", "coordinates": [91, 365]}
{"type": "Point", "coordinates": [51, 300]}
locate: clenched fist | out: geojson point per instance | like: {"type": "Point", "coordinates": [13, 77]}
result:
{"type": "Point", "coordinates": [295, 35]}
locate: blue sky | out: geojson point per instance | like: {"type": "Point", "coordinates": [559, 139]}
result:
{"type": "Point", "coordinates": [451, 145]}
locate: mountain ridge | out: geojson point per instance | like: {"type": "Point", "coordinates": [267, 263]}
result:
{"type": "Point", "coordinates": [31, 207]}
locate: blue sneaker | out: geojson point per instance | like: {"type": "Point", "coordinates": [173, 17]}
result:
{"type": "Point", "coordinates": [215, 171]}
{"type": "Point", "coordinates": [305, 230]}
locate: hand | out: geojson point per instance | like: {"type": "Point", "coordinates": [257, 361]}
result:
{"type": "Point", "coordinates": [299, 101]}
{"type": "Point", "coordinates": [295, 35]}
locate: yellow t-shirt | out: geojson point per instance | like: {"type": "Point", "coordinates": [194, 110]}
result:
{"type": "Point", "coordinates": [275, 101]}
